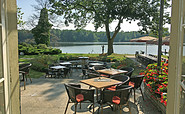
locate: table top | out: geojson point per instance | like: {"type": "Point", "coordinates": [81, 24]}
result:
{"type": "Point", "coordinates": [112, 71]}
{"type": "Point", "coordinates": [96, 64]}
{"type": "Point", "coordinates": [58, 67]}
{"type": "Point", "coordinates": [83, 57]}
{"type": "Point", "coordinates": [65, 63]}
{"type": "Point", "coordinates": [100, 84]}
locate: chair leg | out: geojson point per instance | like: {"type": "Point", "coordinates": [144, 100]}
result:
{"type": "Point", "coordinates": [134, 95]}
{"type": "Point", "coordinates": [75, 107]}
{"type": "Point", "coordinates": [142, 94]}
{"type": "Point", "coordinates": [101, 109]}
{"type": "Point", "coordinates": [129, 107]}
{"type": "Point", "coordinates": [66, 107]}
{"type": "Point", "coordinates": [24, 81]}
{"type": "Point", "coordinates": [30, 78]}
{"type": "Point", "coordinates": [93, 108]}
{"type": "Point", "coordinates": [80, 105]}
{"type": "Point", "coordinates": [120, 109]}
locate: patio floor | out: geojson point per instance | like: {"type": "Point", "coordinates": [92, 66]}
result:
{"type": "Point", "coordinates": [48, 96]}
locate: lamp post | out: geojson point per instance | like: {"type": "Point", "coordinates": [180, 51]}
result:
{"type": "Point", "coordinates": [160, 33]}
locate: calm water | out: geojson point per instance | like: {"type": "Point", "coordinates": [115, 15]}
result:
{"type": "Point", "coordinates": [120, 48]}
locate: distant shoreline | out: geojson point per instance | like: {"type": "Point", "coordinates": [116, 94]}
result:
{"type": "Point", "coordinates": [95, 43]}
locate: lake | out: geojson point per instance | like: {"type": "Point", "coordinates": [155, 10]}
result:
{"type": "Point", "coordinates": [119, 47]}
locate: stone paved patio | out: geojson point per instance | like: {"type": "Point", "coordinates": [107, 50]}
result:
{"type": "Point", "coordinates": [48, 96]}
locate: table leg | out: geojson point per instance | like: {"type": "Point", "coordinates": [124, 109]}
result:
{"type": "Point", "coordinates": [97, 94]}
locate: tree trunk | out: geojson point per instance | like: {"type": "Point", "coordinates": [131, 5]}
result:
{"type": "Point", "coordinates": [110, 46]}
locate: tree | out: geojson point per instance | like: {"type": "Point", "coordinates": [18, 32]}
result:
{"type": "Point", "coordinates": [103, 12]}
{"type": "Point", "coordinates": [41, 32]}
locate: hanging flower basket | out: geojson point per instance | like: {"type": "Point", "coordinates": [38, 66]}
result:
{"type": "Point", "coordinates": [156, 101]}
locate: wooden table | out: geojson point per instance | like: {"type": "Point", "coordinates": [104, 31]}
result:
{"type": "Point", "coordinates": [100, 84]}
{"type": "Point", "coordinates": [111, 71]}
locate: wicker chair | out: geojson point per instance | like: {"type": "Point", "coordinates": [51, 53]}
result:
{"type": "Point", "coordinates": [124, 79]}
{"type": "Point", "coordinates": [100, 68]}
{"type": "Point", "coordinates": [129, 69]}
{"type": "Point", "coordinates": [135, 82]}
{"type": "Point", "coordinates": [119, 97]}
{"type": "Point", "coordinates": [78, 95]}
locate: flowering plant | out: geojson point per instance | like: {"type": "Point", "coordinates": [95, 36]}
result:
{"type": "Point", "coordinates": [156, 78]}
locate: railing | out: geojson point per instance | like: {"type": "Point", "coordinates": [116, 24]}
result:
{"type": "Point", "coordinates": [148, 59]}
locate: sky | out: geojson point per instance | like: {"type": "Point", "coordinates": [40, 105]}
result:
{"type": "Point", "coordinates": [28, 10]}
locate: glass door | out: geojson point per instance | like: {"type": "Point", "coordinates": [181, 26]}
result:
{"type": "Point", "coordinates": [2, 103]}
{"type": "Point", "coordinates": [2, 36]}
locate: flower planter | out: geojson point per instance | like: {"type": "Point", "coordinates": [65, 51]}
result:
{"type": "Point", "coordinates": [154, 99]}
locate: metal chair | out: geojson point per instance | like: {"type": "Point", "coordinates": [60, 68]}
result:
{"type": "Point", "coordinates": [78, 95]}
{"type": "Point", "coordinates": [51, 72]}
{"type": "Point", "coordinates": [119, 97]}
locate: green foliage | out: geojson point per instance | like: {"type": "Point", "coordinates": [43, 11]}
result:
{"type": "Point", "coordinates": [156, 79]}
{"type": "Point", "coordinates": [20, 22]}
{"type": "Point", "coordinates": [103, 12]}
{"type": "Point", "coordinates": [79, 36]}
{"type": "Point", "coordinates": [28, 49]}
{"type": "Point", "coordinates": [41, 32]}
{"type": "Point", "coordinates": [41, 63]}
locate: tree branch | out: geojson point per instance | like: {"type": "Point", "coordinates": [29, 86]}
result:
{"type": "Point", "coordinates": [118, 27]}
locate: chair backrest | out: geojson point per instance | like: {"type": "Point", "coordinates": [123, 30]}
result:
{"type": "Point", "coordinates": [129, 69]}
{"type": "Point", "coordinates": [73, 91]}
{"type": "Point", "coordinates": [137, 80]}
{"type": "Point", "coordinates": [98, 67]}
{"type": "Point", "coordinates": [66, 71]}
{"type": "Point", "coordinates": [108, 96]}
{"type": "Point", "coordinates": [122, 78]}
{"type": "Point", "coordinates": [25, 68]}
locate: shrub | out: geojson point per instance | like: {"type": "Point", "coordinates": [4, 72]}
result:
{"type": "Point", "coordinates": [41, 63]}
{"type": "Point", "coordinates": [28, 49]}
{"type": "Point", "coordinates": [42, 46]}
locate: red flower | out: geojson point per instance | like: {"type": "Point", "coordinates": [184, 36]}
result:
{"type": "Point", "coordinates": [162, 100]}
{"type": "Point", "coordinates": [165, 103]}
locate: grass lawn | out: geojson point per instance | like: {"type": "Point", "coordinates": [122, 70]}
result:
{"type": "Point", "coordinates": [36, 74]}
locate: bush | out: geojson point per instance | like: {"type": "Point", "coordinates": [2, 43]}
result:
{"type": "Point", "coordinates": [41, 63]}
{"type": "Point", "coordinates": [28, 49]}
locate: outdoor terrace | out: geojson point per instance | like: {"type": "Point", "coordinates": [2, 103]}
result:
{"type": "Point", "coordinates": [48, 96]}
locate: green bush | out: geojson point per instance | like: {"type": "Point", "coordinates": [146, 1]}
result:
{"type": "Point", "coordinates": [28, 49]}
{"type": "Point", "coordinates": [41, 63]}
